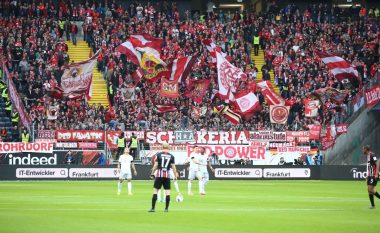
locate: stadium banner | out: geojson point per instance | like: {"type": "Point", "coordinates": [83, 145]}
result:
{"type": "Point", "coordinates": [297, 136]}
{"type": "Point", "coordinates": [267, 136]}
{"type": "Point", "coordinates": [281, 144]}
{"type": "Point", "coordinates": [87, 145]}
{"type": "Point", "coordinates": [201, 137]}
{"type": "Point", "coordinates": [348, 172]}
{"type": "Point", "coordinates": [80, 135]}
{"type": "Point", "coordinates": [372, 96]}
{"type": "Point", "coordinates": [31, 159]}
{"type": "Point", "coordinates": [19, 147]}
{"type": "Point", "coordinates": [314, 132]}
{"type": "Point", "coordinates": [61, 145]}
{"type": "Point", "coordinates": [81, 157]}
{"type": "Point", "coordinates": [183, 136]}
{"type": "Point", "coordinates": [341, 128]}
{"type": "Point", "coordinates": [260, 144]}
{"type": "Point", "coordinates": [300, 149]}
{"type": "Point", "coordinates": [46, 134]}
{"type": "Point", "coordinates": [78, 172]}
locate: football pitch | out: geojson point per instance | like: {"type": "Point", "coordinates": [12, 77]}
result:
{"type": "Point", "coordinates": [229, 206]}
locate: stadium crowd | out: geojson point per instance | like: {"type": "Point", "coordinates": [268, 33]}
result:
{"type": "Point", "coordinates": [33, 45]}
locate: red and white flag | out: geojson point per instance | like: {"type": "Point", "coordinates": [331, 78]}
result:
{"type": "Point", "coordinates": [210, 48]}
{"type": "Point", "coordinates": [145, 51]}
{"type": "Point", "coordinates": [129, 50]}
{"type": "Point", "coordinates": [77, 78]}
{"type": "Point", "coordinates": [138, 74]}
{"type": "Point", "coordinates": [165, 108]}
{"type": "Point", "coordinates": [181, 67]}
{"type": "Point", "coordinates": [197, 89]}
{"type": "Point", "coordinates": [169, 88]}
{"type": "Point", "coordinates": [270, 95]}
{"type": "Point", "coordinates": [339, 67]}
{"type": "Point", "coordinates": [341, 128]}
{"type": "Point", "coordinates": [279, 114]}
{"type": "Point", "coordinates": [311, 107]}
{"type": "Point", "coordinates": [314, 131]}
{"type": "Point", "coordinates": [246, 102]}
{"type": "Point", "coordinates": [372, 95]}
{"type": "Point", "coordinates": [228, 75]}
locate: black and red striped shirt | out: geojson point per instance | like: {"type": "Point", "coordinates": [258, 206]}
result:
{"type": "Point", "coordinates": [165, 161]}
{"type": "Point", "coordinates": [371, 164]}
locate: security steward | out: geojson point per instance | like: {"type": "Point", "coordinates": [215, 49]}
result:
{"type": "Point", "coordinates": [25, 136]}
{"type": "Point", "coordinates": [133, 144]}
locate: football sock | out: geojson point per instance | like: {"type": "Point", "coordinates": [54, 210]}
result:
{"type": "Point", "coordinates": [129, 187]}
{"type": "Point", "coordinates": [167, 201]}
{"type": "Point", "coordinates": [159, 195]}
{"type": "Point", "coordinates": [371, 199]}
{"type": "Point", "coordinates": [189, 187]}
{"type": "Point", "coordinates": [154, 199]}
{"type": "Point", "coordinates": [119, 185]}
{"type": "Point", "coordinates": [176, 186]}
{"type": "Point", "coordinates": [377, 195]}
{"type": "Point", "coordinates": [201, 186]}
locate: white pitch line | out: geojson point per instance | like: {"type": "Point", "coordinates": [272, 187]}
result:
{"type": "Point", "coordinates": [176, 210]}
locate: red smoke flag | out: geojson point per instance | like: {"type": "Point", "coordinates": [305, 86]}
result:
{"type": "Point", "coordinates": [197, 89]}
{"type": "Point", "coordinates": [228, 75]}
{"type": "Point", "coordinates": [339, 67]}
{"type": "Point", "coordinates": [169, 88]}
{"type": "Point", "coordinates": [279, 114]}
{"type": "Point", "coordinates": [311, 107]}
{"type": "Point", "coordinates": [270, 95]}
{"type": "Point", "coordinates": [246, 102]}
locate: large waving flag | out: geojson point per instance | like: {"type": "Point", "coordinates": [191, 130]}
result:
{"type": "Point", "coordinates": [197, 89]}
{"type": "Point", "coordinates": [145, 51]}
{"type": "Point", "coordinates": [246, 102]}
{"type": "Point", "coordinates": [77, 78]}
{"type": "Point", "coordinates": [181, 67]}
{"type": "Point", "coordinates": [339, 67]}
{"type": "Point", "coordinates": [270, 95]}
{"type": "Point", "coordinates": [228, 75]}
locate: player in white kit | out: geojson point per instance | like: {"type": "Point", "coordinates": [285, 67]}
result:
{"type": "Point", "coordinates": [193, 168]}
{"type": "Point", "coordinates": [203, 162]}
{"type": "Point", "coordinates": [124, 168]}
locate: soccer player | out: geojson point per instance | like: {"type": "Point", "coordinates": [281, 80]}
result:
{"type": "Point", "coordinates": [203, 161]}
{"type": "Point", "coordinates": [372, 174]}
{"type": "Point", "coordinates": [172, 177]}
{"type": "Point", "coordinates": [163, 163]}
{"type": "Point", "coordinates": [193, 168]}
{"type": "Point", "coordinates": [124, 168]}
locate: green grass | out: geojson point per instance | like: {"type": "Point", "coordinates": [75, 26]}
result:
{"type": "Point", "coordinates": [229, 206]}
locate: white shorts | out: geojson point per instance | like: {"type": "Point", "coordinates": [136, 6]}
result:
{"type": "Point", "coordinates": [125, 176]}
{"type": "Point", "coordinates": [193, 174]}
{"type": "Point", "coordinates": [204, 175]}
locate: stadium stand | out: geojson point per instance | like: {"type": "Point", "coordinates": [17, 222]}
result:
{"type": "Point", "coordinates": [34, 51]}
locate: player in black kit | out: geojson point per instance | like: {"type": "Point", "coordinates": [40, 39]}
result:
{"type": "Point", "coordinates": [163, 163]}
{"type": "Point", "coordinates": [372, 174]}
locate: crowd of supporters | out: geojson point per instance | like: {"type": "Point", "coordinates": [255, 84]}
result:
{"type": "Point", "coordinates": [33, 41]}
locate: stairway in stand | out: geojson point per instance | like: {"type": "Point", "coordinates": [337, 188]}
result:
{"type": "Point", "coordinates": [259, 62]}
{"type": "Point", "coordinates": [79, 53]}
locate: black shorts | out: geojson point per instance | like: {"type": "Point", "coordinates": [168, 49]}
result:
{"type": "Point", "coordinates": [159, 182]}
{"type": "Point", "coordinates": [371, 180]}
